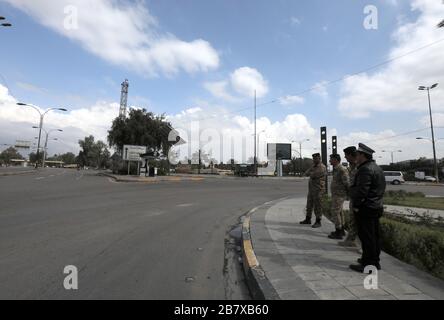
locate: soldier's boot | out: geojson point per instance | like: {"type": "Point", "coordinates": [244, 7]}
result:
{"type": "Point", "coordinates": [342, 232]}
{"type": "Point", "coordinates": [336, 235]}
{"type": "Point", "coordinates": [306, 221]}
{"type": "Point", "coordinates": [348, 243]}
{"type": "Point", "coordinates": [317, 224]}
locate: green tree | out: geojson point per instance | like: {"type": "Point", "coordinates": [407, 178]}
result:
{"type": "Point", "coordinates": [94, 154]}
{"type": "Point", "coordinates": [10, 154]}
{"type": "Point", "coordinates": [33, 157]}
{"type": "Point", "coordinates": [141, 128]}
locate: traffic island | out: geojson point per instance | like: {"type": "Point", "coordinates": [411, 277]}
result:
{"type": "Point", "coordinates": [302, 263]}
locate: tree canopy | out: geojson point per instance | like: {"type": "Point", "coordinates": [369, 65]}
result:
{"type": "Point", "coordinates": [141, 128]}
{"type": "Point", "coordinates": [10, 154]}
{"type": "Point", "coordinates": [94, 154]}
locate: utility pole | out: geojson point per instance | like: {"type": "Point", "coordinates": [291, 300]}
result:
{"type": "Point", "coordinates": [200, 162]}
{"type": "Point", "coordinates": [255, 141]}
{"type": "Point", "coordinates": [431, 126]}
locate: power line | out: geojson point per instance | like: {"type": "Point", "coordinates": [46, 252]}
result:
{"type": "Point", "coordinates": [329, 83]}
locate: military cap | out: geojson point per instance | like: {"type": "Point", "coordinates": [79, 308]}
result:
{"type": "Point", "coordinates": [316, 155]}
{"type": "Point", "coordinates": [364, 149]}
{"type": "Point", "coordinates": [336, 157]}
{"type": "Point", "coordinates": [350, 150]}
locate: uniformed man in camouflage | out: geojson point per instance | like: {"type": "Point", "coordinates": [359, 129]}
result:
{"type": "Point", "coordinates": [316, 190]}
{"type": "Point", "coordinates": [339, 189]}
{"type": "Point", "coordinates": [352, 236]}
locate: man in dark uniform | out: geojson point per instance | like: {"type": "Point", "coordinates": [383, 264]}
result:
{"type": "Point", "coordinates": [367, 194]}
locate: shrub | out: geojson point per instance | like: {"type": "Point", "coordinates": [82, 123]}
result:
{"type": "Point", "coordinates": [414, 244]}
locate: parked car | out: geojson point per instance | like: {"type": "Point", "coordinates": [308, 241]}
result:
{"type": "Point", "coordinates": [394, 177]}
{"type": "Point", "coordinates": [429, 179]}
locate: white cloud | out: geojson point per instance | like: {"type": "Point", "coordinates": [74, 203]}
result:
{"type": "Point", "coordinates": [385, 141]}
{"type": "Point", "coordinates": [123, 33]}
{"type": "Point", "coordinates": [438, 120]}
{"type": "Point", "coordinates": [291, 100]}
{"type": "Point", "coordinates": [16, 122]}
{"type": "Point", "coordinates": [235, 133]}
{"type": "Point", "coordinates": [394, 88]}
{"type": "Point", "coordinates": [241, 84]}
{"type": "Point", "coordinates": [219, 89]}
{"type": "Point", "coordinates": [246, 80]}
{"type": "Point", "coordinates": [31, 88]}
{"type": "Point", "coordinates": [320, 89]}
{"type": "Point", "coordinates": [295, 21]}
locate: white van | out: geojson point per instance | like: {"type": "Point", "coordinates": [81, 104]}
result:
{"type": "Point", "coordinates": [394, 177]}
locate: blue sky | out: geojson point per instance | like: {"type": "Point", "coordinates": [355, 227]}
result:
{"type": "Point", "coordinates": [292, 45]}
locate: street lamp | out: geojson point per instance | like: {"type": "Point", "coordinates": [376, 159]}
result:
{"type": "Point", "coordinates": [45, 149]}
{"type": "Point", "coordinates": [423, 88]}
{"type": "Point", "coordinates": [392, 152]}
{"type": "Point", "coordinates": [4, 24]}
{"type": "Point", "coordinates": [300, 154]}
{"type": "Point", "coordinates": [42, 115]}
{"type": "Point", "coordinates": [258, 141]}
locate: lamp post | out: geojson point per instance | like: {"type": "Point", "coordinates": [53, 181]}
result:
{"type": "Point", "coordinates": [45, 149]}
{"type": "Point", "coordinates": [4, 24]}
{"type": "Point", "coordinates": [392, 152]}
{"type": "Point", "coordinates": [423, 88]}
{"type": "Point", "coordinates": [42, 116]}
{"type": "Point", "coordinates": [300, 154]}
{"type": "Point", "coordinates": [258, 142]}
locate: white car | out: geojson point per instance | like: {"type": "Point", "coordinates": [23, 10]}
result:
{"type": "Point", "coordinates": [394, 177]}
{"type": "Point", "coordinates": [429, 179]}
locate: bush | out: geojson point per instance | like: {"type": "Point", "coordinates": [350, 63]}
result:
{"type": "Point", "coordinates": [414, 244]}
{"type": "Point", "coordinates": [402, 194]}
{"type": "Point", "coordinates": [419, 243]}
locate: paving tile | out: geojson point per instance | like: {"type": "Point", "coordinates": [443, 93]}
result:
{"type": "Point", "coordinates": [282, 285]}
{"type": "Point", "coordinates": [399, 288]}
{"type": "Point", "coordinates": [306, 294]}
{"type": "Point", "coordinates": [389, 297]}
{"type": "Point", "coordinates": [413, 297]}
{"type": "Point", "coordinates": [306, 268]}
{"type": "Point", "coordinates": [350, 281]}
{"type": "Point", "coordinates": [335, 294]}
{"type": "Point", "coordinates": [323, 284]}
{"type": "Point", "coordinates": [361, 292]}
{"type": "Point", "coordinates": [313, 276]}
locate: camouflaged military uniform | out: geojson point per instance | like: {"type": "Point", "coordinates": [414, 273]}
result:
{"type": "Point", "coordinates": [339, 190]}
{"type": "Point", "coordinates": [316, 189]}
{"type": "Point", "coordinates": [352, 229]}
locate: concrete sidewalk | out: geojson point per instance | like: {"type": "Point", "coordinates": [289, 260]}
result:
{"type": "Point", "coordinates": [300, 262]}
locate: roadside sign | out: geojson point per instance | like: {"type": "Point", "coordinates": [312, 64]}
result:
{"type": "Point", "coordinates": [279, 151]}
{"type": "Point", "coordinates": [22, 144]}
{"type": "Point", "coordinates": [132, 153]}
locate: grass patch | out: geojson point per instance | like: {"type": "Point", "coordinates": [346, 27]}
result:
{"type": "Point", "coordinates": [413, 199]}
{"type": "Point", "coordinates": [419, 242]}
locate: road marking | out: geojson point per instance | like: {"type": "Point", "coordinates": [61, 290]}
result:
{"type": "Point", "coordinates": [52, 175]}
{"type": "Point", "coordinates": [40, 178]}
{"type": "Point", "coordinates": [185, 205]}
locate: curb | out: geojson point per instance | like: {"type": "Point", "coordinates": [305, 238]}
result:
{"type": "Point", "coordinates": [154, 180]}
{"type": "Point", "coordinates": [259, 285]}
{"type": "Point", "coordinates": [5, 174]}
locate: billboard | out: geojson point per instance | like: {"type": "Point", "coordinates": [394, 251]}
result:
{"type": "Point", "coordinates": [281, 150]}
{"type": "Point", "coordinates": [132, 153]}
{"type": "Point", "coordinates": [22, 144]}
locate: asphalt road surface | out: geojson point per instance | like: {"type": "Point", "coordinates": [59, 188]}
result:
{"type": "Point", "coordinates": [128, 241]}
